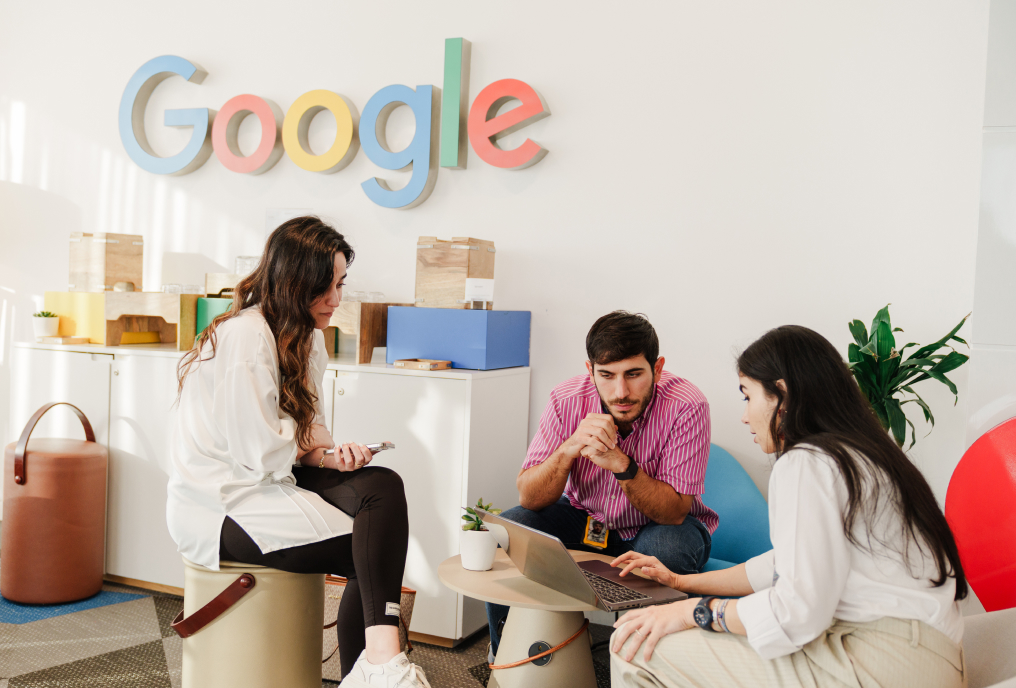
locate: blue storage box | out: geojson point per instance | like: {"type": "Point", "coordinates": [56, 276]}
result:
{"type": "Point", "coordinates": [480, 340]}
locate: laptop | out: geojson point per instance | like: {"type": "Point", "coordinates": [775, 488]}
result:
{"type": "Point", "coordinates": [543, 558]}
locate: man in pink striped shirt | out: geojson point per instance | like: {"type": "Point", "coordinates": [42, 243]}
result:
{"type": "Point", "coordinates": [619, 460]}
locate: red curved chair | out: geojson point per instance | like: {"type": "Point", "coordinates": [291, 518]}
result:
{"type": "Point", "coordinates": [980, 506]}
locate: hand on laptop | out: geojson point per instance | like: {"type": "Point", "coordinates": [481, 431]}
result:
{"type": "Point", "coordinates": [650, 567]}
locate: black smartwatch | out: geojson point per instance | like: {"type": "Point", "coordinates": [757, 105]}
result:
{"type": "Point", "coordinates": [630, 472]}
{"type": "Point", "coordinates": [703, 615]}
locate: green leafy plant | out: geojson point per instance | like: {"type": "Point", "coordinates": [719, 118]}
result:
{"type": "Point", "coordinates": [472, 520]}
{"type": "Point", "coordinates": [886, 378]}
{"type": "Point", "coordinates": [45, 314]}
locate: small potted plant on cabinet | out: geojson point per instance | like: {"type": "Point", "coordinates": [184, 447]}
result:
{"type": "Point", "coordinates": [45, 324]}
{"type": "Point", "coordinates": [477, 544]}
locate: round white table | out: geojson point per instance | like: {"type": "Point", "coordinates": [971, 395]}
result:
{"type": "Point", "coordinates": [538, 614]}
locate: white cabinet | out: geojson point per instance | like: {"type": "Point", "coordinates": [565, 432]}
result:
{"type": "Point", "coordinates": [39, 377]}
{"type": "Point", "coordinates": [459, 436]}
{"type": "Point", "coordinates": [141, 418]}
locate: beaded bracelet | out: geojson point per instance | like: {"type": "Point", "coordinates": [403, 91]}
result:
{"type": "Point", "coordinates": [721, 616]}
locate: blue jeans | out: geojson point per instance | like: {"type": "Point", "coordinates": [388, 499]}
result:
{"type": "Point", "coordinates": [682, 549]}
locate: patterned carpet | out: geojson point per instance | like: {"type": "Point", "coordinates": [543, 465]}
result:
{"type": "Point", "coordinates": [121, 638]}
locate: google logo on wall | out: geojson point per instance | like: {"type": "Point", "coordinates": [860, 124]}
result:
{"type": "Point", "coordinates": [217, 131]}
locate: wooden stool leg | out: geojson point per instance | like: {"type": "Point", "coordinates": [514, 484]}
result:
{"type": "Point", "coordinates": [571, 666]}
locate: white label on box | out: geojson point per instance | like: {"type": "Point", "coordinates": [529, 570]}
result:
{"type": "Point", "coordinates": [479, 289]}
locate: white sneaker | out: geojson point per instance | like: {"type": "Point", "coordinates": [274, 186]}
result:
{"type": "Point", "coordinates": [398, 673]}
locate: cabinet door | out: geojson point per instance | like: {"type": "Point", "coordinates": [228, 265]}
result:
{"type": "Point", "coordinates": [39, 376]}
{"type": "Point", "coordinates": [142, 416]}
{"type": "Point", "coordinates": [328, 397]}
{"type": "Point", "coordinates": [425, 418]}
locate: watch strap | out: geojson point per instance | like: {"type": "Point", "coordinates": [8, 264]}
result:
{"type": "Point", "coordinates": [630, 472]}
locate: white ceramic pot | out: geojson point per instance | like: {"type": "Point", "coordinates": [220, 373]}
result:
{"type": "Point", "coordinates": [477, 548]}
{"type": "Point", "coordinates": [45, 327]}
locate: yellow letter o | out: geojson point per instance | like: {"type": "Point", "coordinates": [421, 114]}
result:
{"type": "Point", "coordinates": [297, 123]}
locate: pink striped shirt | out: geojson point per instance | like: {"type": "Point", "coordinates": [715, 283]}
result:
{"type": "Point", "coordinates": [669, 441]}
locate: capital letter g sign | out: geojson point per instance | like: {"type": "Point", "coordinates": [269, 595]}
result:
{"type": "Point", "coordinates": [132, 118]}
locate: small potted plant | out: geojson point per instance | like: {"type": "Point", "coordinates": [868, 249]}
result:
{"type": "Point", "coordinates": [45, 324]}
{"type": "Point", "coordinates": [477, 544]}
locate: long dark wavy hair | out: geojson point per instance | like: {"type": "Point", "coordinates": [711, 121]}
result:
{"type": "Point", "coordinates": [296, 268]}
{"type": "Point", "coordinates": [824, 407]}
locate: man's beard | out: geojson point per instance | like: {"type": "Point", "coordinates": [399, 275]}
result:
{"type": "Point", "coordinates": [641, 403]}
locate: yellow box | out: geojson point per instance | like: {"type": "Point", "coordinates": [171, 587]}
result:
{"type": "Point", "coordinates": [81, 314]}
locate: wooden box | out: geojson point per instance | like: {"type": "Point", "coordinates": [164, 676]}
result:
{"type": "Point", "coordinates": [220, 284]}
{"type": "Point", "coordinates": [150, 318]}
{"type": "Point", "coordinates": [368, 321]}
{"type": "Point", "coordinates": [100, 261]}
{"type": "Point", "coordinates": [422, 364]}
{"type": "Point", "coordinates": [446, 270]}
{"type": "Point", "coordinates": [115, 318]}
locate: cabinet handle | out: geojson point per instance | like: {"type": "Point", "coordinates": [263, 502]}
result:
{"type": "Point", "coordinates": [116, 372]}
{"type": "Point", "coordinates": [340, 391]}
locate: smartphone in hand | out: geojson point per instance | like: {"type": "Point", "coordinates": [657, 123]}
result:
{"type": "Point", "coordinates": [374, 448]}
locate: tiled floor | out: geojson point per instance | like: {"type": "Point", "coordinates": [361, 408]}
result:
{"type": "Point", "coordinates": [121, 638]}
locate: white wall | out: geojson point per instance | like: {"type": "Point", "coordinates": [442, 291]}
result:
{"type": "Point", "coordinates": [993, 370]}
{"type": "Point", "coordinates": [722, 167]}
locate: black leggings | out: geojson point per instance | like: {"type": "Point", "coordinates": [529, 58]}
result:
{"type": "Point", "coordinates": [373, 557]}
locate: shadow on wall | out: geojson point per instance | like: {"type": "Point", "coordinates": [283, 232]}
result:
{"type": "Point", "coordinates": [114, 195]}
{"type": "Point", "coordinates": [30, 264]}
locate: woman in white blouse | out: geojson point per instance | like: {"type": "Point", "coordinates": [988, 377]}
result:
{"type": "Point", "coordinates": [252, 480]}
{"type": "Point", "coordinates": [862, 583]}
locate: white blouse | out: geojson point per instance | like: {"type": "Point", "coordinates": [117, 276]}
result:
{"type": "Point", "coordinates": [814, 574]}
{"type": "Point", "coordinates": [233, 449]}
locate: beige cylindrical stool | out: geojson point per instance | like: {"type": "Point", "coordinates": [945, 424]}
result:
{"type": "Point", "coordinates": [270, 637]}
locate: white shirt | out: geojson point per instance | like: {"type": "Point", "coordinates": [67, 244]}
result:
{"type": "Point", "coordinates": [233, 449]}
{"type": "Point", "coordinates": [814, 574]}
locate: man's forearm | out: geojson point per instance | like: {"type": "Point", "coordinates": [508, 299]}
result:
{"type": "Point", "coordinates": [656, 499]}
{"type": "Point", "coordinates": [542, 485]}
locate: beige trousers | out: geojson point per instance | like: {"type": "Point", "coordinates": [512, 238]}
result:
{"type": "Point", "coordinates": [888, 653]}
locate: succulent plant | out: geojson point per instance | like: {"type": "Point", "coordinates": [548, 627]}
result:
{"type": "Point", "coordinates": [472, 519]}
{"type": "Point", "coordinates": [45, 314]}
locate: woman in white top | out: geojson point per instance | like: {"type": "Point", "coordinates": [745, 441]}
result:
{"type": "Point", "coordinates": [862, 583]}
{"type": "Point", "coordinates": [252, 481]}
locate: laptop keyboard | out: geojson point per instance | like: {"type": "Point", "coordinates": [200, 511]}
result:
{"type": "Point", "coordinates": [612, 592]}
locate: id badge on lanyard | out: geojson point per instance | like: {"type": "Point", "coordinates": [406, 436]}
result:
{"type": "Point", "coordinates": [596, 533]}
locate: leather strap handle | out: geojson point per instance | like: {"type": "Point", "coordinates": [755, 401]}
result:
{"type": "Point", "coordinates": [211, 611]}
{"type": "Point", "coordinates": [19, 453]}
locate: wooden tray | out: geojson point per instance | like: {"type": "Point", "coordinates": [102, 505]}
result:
{"type": "Point", "coordinates": [63, 340]}
{"type": "Point", "coordinates": [422, 364]}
